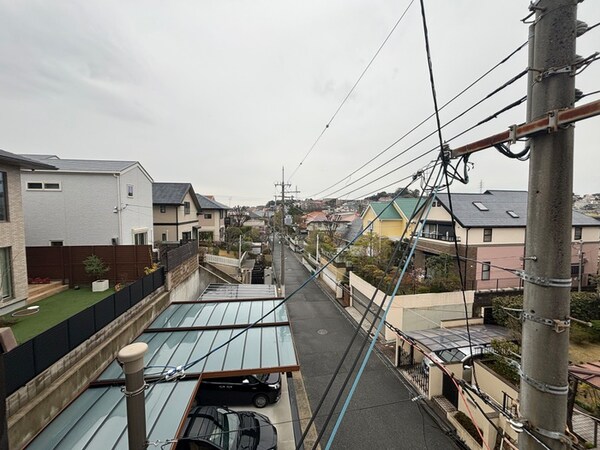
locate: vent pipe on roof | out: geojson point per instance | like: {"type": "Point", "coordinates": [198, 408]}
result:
{"type": "Point", "coordinates": [131, 359]}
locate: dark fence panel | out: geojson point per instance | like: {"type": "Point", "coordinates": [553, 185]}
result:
{"type": "Point", "coordinates": [50, 346]}
{"type": "Point", "coordinates": [122, 301]}
{"type": "Point", "coordinates": [31, 358]}
{"type": "Point", "coordinates": [19, 367]}
{"type": "Point", "coordinates": [104, 312]}
{"type": "Point", "coordinates": [81, 327]}
{"type": "Point", "coordinates": [147, 285]}
{"type": "Point", "coordinates": [136, 291]}
{"type": "Point", "coordinates": [178, 256]}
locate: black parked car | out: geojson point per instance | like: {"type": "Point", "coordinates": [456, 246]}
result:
{"type": "Point", "coordinates": [219, 428]}
{"type": "Point", "coordinates": [259, 390]}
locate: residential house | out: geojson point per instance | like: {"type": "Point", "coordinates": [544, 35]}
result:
{"type": "Point", "coordinates": [256, 220]}
{"type": "Point", "coordinates": [390, 219]}
{"type": "Point", "coordinates": [87, 202]}
{"type": "Point", "coordinates": [315, 221]}
{"type": "Point", "coordinates": [490, 230]}
{"type": "Point", "coordinates": [176, 210]}
{"type": "Point", "coordinates": [211, 219]}
{"type": "Point", "coordinates": [13, 264]}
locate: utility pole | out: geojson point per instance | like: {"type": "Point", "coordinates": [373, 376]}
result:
{"type": "Point", "coordinates": [283, 185]}
{"type": "Point", "coordinates": [547, 290]}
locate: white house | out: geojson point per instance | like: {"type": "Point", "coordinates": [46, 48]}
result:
{"type": "Point", "coordinates": [87, 202]}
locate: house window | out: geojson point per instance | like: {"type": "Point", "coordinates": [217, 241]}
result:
{"type": "Point", "coordinates": [480, 206]}
{"type": "Point", "coordinates": [140, 238]}
{"type": "Point", "coordinates": [512, 214]}
{"type": "Point", "coordinates": [485, 270]}
{"type": "Point", "coordinates": [3, 198]}
{"type": "Point", "coordinates": [487, 235]}
{"type": "Point", "coordinates": [208, 216]}
{"type": "Point", "coordinates": [186, 235]}
{"type": "Point", "coordinates": [35, 186]}
{"type": "Point", "coordinates": [56, 243]}
{"type": "Point", "coordinates": [436, 204]}
{"type": "Point", "coordinates": [130, 190]}
{"type": "Point", "coordinates": [578, 233]}
{"type": "Point", "coordinates": [6, 286]}
{"type": "Point", "coordinates": [164, 237]}
{"type": "Point", "coordinates": [186, 207]}
{"type": "Point", "coordinates": [575, 270]}
{"type": "Point", "coordinates": [163, 209]}
{"type": "Point", "coordinates": [43, 186]}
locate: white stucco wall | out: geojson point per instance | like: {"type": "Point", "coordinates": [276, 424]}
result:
{"type": "Point", "coordinates": [83, 211]}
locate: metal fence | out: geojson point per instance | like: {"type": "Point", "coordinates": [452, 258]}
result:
{"type": "Point", "coordinates": [32, 357]}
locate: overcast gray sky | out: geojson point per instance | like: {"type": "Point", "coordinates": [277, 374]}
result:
{"type": "Point", "coordinates": [222, 94]}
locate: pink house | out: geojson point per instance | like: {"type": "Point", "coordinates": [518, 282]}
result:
{"type": "Point", "coordinates": [490, 229]}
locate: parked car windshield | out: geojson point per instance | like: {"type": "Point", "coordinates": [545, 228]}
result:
{"type": "Point", "coordinates": [225, 432]}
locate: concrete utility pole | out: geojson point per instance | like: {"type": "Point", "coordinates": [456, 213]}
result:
{"type": "Point", "coordinates": [132, 359]}
{"type": "Point", "coordinates": [283, 185]}
{"type": "Point", "coordinates": [544, 383]}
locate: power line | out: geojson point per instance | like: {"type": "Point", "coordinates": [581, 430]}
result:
{"type": "Point", "coordinates": [481, 77]}
{"type": "Point", "coordinates": [351, 89]}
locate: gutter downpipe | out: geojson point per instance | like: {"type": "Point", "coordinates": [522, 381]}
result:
{"type": "Point", "coordinates": [120, 225]}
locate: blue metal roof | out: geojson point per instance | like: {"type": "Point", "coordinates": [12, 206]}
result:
{"type": "Point", "coordinates": [97, 419]}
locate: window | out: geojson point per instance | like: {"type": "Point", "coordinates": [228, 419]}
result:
{"type": "Point", "coordinates": [186, 207]}
{"type": "Point", "coordinates": [6, 286]}
{"type": "Point", "coordinates": [163, 209]}
{"type": "Point", "coordinates": [140, 238]}
{"type": "Point", "coordinates": [3, 197]}
{"type": "Point", "coordinates": [436, 204]}
{"type": "Point", "coordinates": [164, 237]}
{"type": "Point", "coordinates": [130, 190]}
{"type": "Point", "coordinates": [575, 270]}
{"type": "Point", "coordinates": [487, 235]}
{"type": "Point", "coordinates": [512, 214]}
{"type": "Point", "coordinates": [480, 206]}
{"type": "Point", "coordinates": [208, 216]}
{"type": "Point", "coordinates": [56, 243]}
{"type": "Point", "coordinates": [578, 233]}
{"type": "Point", "coordinates": [186, 235]}
{"type": "Point", "coordinates": [43, 186]}
{"type": "Point", "coordinates": [34, 186]}
{"type": "Point", "coordinates": [485, 270]}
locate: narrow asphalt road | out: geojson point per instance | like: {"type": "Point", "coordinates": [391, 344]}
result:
{"type": "Point", "coordinates": [381, 414]}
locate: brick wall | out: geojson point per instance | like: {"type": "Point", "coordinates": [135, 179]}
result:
{"type": "Point", "coordinates": [12, 234]}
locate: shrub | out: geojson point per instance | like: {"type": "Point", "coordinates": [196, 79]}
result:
{"type": "Point", "coordinates": [466, 422]}
{"type": "Point", "coordinates": [94, 266]}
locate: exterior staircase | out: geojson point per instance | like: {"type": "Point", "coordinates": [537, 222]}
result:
{"type": "Point", "coordinates": [39, 292]}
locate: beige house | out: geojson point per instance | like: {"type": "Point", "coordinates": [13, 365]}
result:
{"type": "Point", "coordinates": [13, 264]}
{"type": "Point", "coordinates": [175, 210]}
{"type": "Point", "coordinates": [211, 219]}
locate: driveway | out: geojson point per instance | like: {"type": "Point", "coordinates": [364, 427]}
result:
{"type": "Point", "coordinates": [382, 414]}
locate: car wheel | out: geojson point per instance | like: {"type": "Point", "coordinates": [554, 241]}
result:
{"type": "Point", "coordinates": [260, 401]}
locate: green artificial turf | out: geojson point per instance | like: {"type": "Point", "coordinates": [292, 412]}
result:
{"type": "Point", "coordinates": [53, 310]}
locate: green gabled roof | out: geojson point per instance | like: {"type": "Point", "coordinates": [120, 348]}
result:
{"type": "Point", "coordinates": [408, 205]}
{"type": "Point", "coordinates": [389, 214]}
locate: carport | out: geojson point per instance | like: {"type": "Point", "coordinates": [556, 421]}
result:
{"type": "Point", "coordinates": [207, 338]}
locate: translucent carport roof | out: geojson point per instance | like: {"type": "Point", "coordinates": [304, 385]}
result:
{"type": "Point", "coordinates": [238, 292]}
{"type": "Point", "coordinates": [438, 339]}
{"type": "Point", "coordinates": [186, 332]}
{"type": "Point", "coordinates": [97, 419]}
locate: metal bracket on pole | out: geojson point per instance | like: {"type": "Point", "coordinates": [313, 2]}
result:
{"type": "Point", "coordinates": [559, 325]}
{"type": "Point", "coordinates": [546, 282]}
{"type": "Point", "coordinates": [554, 435]}
{"type": "Point", "coordinates": [512, 134]}
{"type": "Point", "coordinates": [136, 392]}
{"type": "Point", "coordinates": [544, 387]}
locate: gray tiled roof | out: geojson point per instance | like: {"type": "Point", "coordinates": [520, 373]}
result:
{"type": "Point", "coordinates": [207, 203]}
{"type": "Point", "coordinates": [83, 165]}
{"type": "Point", "coordinates": [169, 193]}
{"type": "Point", "coordinates": [498, 204]}
{"type": "Point", "coordinates": [22, 161]}
{"type": "Point", "coordinates": [352, 230]}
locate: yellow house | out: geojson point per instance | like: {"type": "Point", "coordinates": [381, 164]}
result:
{"type": "Point", "coordinates": [390, 218]}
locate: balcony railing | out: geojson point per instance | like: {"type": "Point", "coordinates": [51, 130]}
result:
{"type": "Point", "coordinates": [440, 237]}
